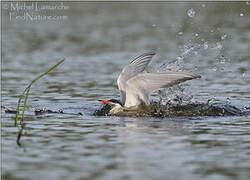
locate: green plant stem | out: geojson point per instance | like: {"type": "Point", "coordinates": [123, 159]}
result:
{"type": "Point", "coordinates": [27, 89]}
{"type": "Point", "coordinates": [24, 104]}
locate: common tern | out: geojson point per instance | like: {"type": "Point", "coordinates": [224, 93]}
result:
{"type": "Point", "coordinates": [136, 86]}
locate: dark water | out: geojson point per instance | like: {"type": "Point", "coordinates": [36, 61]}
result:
{"type": "Point", "coordinates": [97, 40]}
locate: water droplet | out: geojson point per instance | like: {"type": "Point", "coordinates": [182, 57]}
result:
{"type": "Point", "coordinates": [223, 61]}
{"type": "Point", "coordinates": [214, 68]}
{"type": "Point", "coordinates": [228, 101]}
{"type": "Point", "coordinates": [241, 14]}
{"type": "Point", "coordinates": [196, 35]}
{"type": "Point", "coordinates": [179, 58]}
{"type": "Point", "coordinates": [153, 25]}
{"type": "Point", "coordinates": [223, 37]}
{"type": "Point", "coordinates": [203, 5]}
{"type": "Point", "coordinates": [219, 45]}
{"type": "Point", "coordinates": [211, 100]}
{"type": "Point", "coordinates": [247, 3]}
{"type": "Point", "coordinates": [180, 33]}
{"type": "Point", "coordinates": [205, 45]}
{"type": "Point", "coordinates": [191, 12]}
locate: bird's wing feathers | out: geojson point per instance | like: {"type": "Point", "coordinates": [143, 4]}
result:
{"type": "Point", "coordinates": [141, 62]}
{"type": "Point", "coordinates": [148, 82]}
{"type": "Point", "coordinates": [136, 66]}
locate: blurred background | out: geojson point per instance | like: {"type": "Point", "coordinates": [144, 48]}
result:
{"type": "Point", "coordinates": [97, 39]}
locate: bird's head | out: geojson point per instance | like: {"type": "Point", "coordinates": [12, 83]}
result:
{"type": "Point", "coordinates": [112, 105]}
{"type": "Point", "coordinates": [111, 102]}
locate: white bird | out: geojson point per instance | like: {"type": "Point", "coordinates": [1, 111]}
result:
{"type": "Point", "coordinates": [135, 86]}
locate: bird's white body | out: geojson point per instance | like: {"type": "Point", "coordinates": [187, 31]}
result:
{"type": "Point", "coordinates": [136, 86]}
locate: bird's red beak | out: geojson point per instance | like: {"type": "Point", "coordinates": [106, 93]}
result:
{"type": "Point", "coordinates": [105, 101]}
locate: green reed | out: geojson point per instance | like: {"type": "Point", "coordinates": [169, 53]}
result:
{"type": "Point", "coordinates": [26, 93]}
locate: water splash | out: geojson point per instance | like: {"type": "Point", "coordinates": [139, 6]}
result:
{"type": "Point", "coordinates": [224, 36]}
{"type": "Point", "coordinates": [158, 110]}
{"type": "Point", "coordinates": [191, 12]}
{"type": "Point", "coordinates": [228, 101]}
{"type": "Point", "coordinates": [245, 76]}
{"type": "Point", "coordinates": [205, 45]}
{"type": "Point", "coordinates": [211, 100]}
{"type": "Point", "coordinates": [175, 95]}
{"type": "Point", "coordinates": [188, 50]}
{"type": "Point", "coordinates": [219, 45]}
{"type": "Point", "coordinates": [178, 94]}
{"type": "Point", "coordinates": [180, 33]}
{"type": "Point", "coordinates": [214, 68]}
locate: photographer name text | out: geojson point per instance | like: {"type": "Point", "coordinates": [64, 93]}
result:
{"type": "Point", "coordinates": [36, 6]}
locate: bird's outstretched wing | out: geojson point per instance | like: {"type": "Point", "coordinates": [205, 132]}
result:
{"type": "Point", "coordinates": [136, 66]}
{"type": "Point", "coordinates": [145, 83]}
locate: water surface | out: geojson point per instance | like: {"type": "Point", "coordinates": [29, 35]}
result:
{"type": "Point", "coordinates": [97, 40]}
